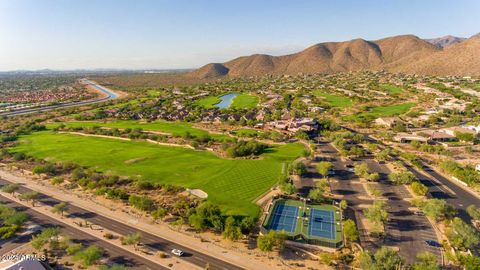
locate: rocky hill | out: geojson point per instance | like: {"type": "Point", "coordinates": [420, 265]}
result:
{"type": "Point", "coordinates": [443, 42]}
{"type": "Point", "coordinates": [460, 59]}
{"type": "Point", "coordinates": [406, 53]}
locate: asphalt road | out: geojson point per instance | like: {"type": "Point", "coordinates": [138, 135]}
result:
{"type": "Point", "coordinates": [110, 96]}
{"type": "Point", "coordinates": [404, 229]}
{"type": "Point", "coordinates": [150, 240]}
{"type": "Point", "coordinates": [442, 188]}
{"type": "Point", "coordinates": [115, 254]}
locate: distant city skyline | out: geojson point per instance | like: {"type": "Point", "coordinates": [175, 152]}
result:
{"type": "Point", "coordinates": [92, 34]}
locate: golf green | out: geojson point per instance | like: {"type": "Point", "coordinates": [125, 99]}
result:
{"type": "Point", "coordinates": [232, 183]}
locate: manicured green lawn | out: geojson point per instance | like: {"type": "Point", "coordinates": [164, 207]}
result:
{"type": "Point", "coordinates": [208, 102]}
{"type": "Point", "coordinates": [244, 101]}
{"type": "Point", "coordinates": [154, 93]}
{"type": "Point", "coordinates": [246, 132]}
{"type": "Point", "coordinates": [382, 111]}
{"type": "Point", "coordinates": [334, 100]}
{"type": "Point", "coordinates": [233, 184]}
{"type": "Point", "coordinates": [392, 89]}
{"type": "Point", "coordinates": [392, 110]}
{"type": "Point", "coordinates": [174, 128]}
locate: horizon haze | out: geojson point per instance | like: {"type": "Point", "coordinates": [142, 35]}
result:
{"type": "Point", "coordinates": [109, 34]}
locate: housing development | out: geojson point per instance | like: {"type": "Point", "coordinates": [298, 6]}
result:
{"type": "Point", "coordinates": [358, 154]}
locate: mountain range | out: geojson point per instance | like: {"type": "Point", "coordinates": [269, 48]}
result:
{"type": "Point", "coordinates": [443, 42]}
{"type": "Point", "coordinates": [406, 53]}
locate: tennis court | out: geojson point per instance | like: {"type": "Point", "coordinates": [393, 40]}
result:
{"type": "Point", "coordinates": [315, 224]}
{"type": "Point", "coordinates": [284, 217]}
{"type": "Point", "coordinates": [321, 223]}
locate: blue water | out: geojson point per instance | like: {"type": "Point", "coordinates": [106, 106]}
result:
{"type": "Point", "coordinates": [226, 100]}
{"type": "Point", "coordinates": [110, 94]}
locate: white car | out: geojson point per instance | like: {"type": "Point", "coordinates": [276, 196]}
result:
{"type": "Point", "coordinates": [177, 252]}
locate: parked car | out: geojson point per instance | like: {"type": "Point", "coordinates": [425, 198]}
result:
{"type": "Point", "coordinates": [419, 213]}
{"type": "Point", "coordinates": [177, 252]}
{"type": "Point", "coordinates": [350, 168]}
{"type": "Point", "coordinates": [432, 243]}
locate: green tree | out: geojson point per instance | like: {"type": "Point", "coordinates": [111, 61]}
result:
{"type": "Point", "coordinates": [159, 213]}
{"type": "Point", "coordinates": [377, 213]}
{"type": "Point", "coordinates": [270, 240]}
{"type": "Point", "coordinates": [232, 231]}
{"type": "Point", "coordinates": [470, 262]}
{"type": "Point", "coordinates": [426, 261]}
{"type": "Point", "coordinates": [298, 168]}
{"type": "Point", "coordinates": [464, 136]}
{"type": "Point", "coordinates": [89, 256]}
{"type": "Point", "coordinates": [59, 208]}
{"type": "Point", "coordinates": [288, 188]}
{"type": "Point", "coordinates": [16, 218]}
{"type": "Point", "coordinates": [11, 189]}
{"type": "Point", "coordinates": [141, 203]}
{"type": "Point", "coordinates": [372, 177]}
{"type": "Point", "coordinates": [419, 188]}
{"type": "Point", "coordinates": [343, 204]}
{"type": "Point", "coordinates": [388, 259]}
{"type": "Point", "coordinates": [131, 239]}
{"type": "Point", "coordinates": [350, 230]}
{"type": "Point", "coordinates": [206, 215]}
{"type": "Point", "coordinates": [74, 248]}
{"type": "Point", "coordinates": [383, 155]}
{"type": "Point", "coordinates": [323, 167]}
{"type": "Point", "coordinates": [361, 170]}
{"type": "Point", "coordinates": [462, 235]}
{"type": "Point", "coordinates": [45, 237]}
{"type": "Point", "coordinates": [32, 196]}
{"type": "Point", "coordinates": [437, 209]}
{"type": "Point", "coordinates": [402, 178]}
{"type": "Point", "coordinates": [316, 194]}
{"type": "Point", "coordinates": [474, 212]}
{"type": "Point", "coordinates": [366, 261]}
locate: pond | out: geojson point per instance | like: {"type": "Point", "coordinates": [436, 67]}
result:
{"type": "Point", "coordinates": [226, 100]}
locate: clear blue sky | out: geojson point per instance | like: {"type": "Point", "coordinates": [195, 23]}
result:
{"type": "Point", "coordinates": [67, 34]}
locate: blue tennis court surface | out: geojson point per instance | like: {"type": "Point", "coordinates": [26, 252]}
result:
{"type": "Point", "coordinates": [284, 218]}
{"type": "Point", "coordinates": [321, 224]}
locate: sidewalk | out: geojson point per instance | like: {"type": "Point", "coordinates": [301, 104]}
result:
{"type": "Point", "coordinates": [252, 260]}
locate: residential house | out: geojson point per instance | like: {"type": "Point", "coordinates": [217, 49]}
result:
{"type": "Point", "coordinates": [453, 130]}
{"type": "Point", "coordinates": [387, 121]}
{"type": "Point", "coordinates": [26, 264]}
{"type": "Point", "coordinates": [408, 138]}
{"type": "Point", "coordinates": [437, 136]}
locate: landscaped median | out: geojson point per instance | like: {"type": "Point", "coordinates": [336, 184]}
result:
{"type": "Point", "coordinates": [96, 231]}
{"type": "Point", "coordinates": [248, 259]}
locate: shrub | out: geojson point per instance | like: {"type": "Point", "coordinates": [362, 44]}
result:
{"type": "Point", "coordinates": [246, 148]}
{"type": "Point", "coordinates": [141, 203]}
{"type": "Point", "coordinates": [419, 188]}
{"type": "Point", "coordinates": [402, 178]}
{"type": "Point", "coordinates": [56, 180]}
